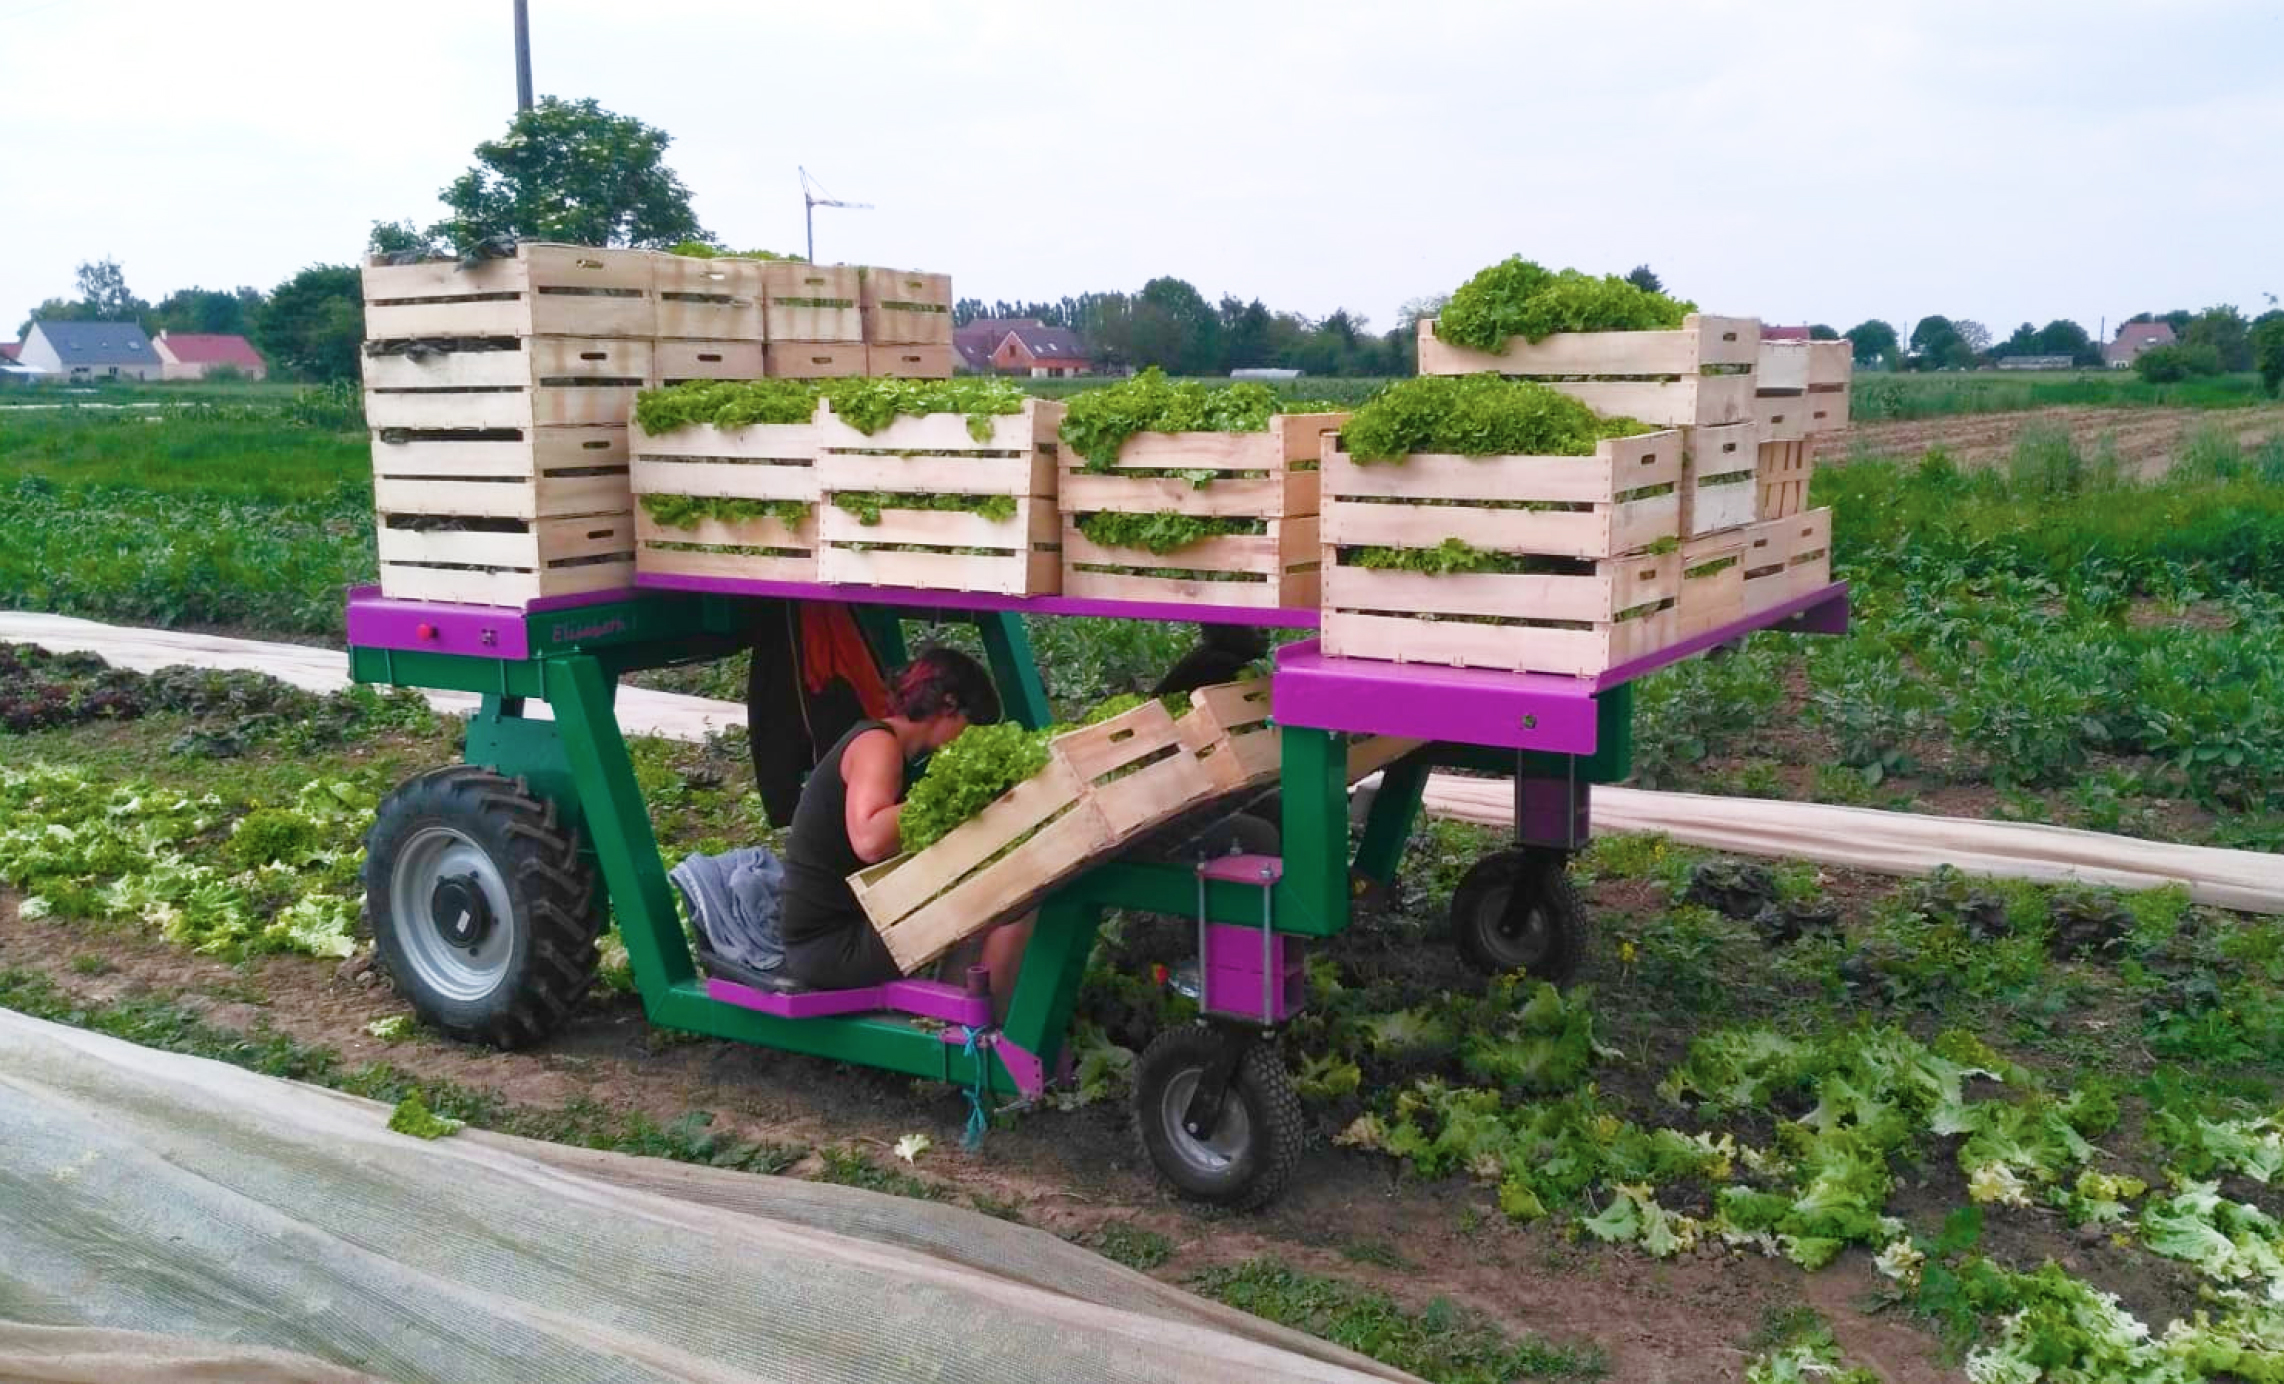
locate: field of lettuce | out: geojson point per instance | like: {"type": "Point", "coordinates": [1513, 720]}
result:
{"type": "Point", "coordinates": [1810, 1121]}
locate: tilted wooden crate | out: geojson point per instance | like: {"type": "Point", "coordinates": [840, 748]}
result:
{"type": "Point", "coordinates": [1782, 477]}
{"type": "Point", "coordinates": [1787, 557]}
{"type": "Point", "coordinates": [767, 461]}
{"type": "Point", "coordinates": [1228, 728]}
{"type": "Point", "coordinates": [1591, 608]}
{"type": "Point", "coordinates": [504, 562]}
{"type": "Point", "coordinates": [1717, 479]}
{"type": "Point", "coordinates": [708, 299]}
{"type": "Point", "coordinates": [504, 383]}
{"type": "Point", "coordinates": [1265, 478]}
{"type": "Point", "coordinates": [812, 303]}
{"type": "Point", "coordinates": [542, 290]}
{"type": "Point", "coordinates": [1699, 375]}
{"type": "Point", "coordinates": [906, 307]}
{"type": "Point", "coordinates": [1103, 785]}
{"type": "Point", "coordinates": [933, 456]}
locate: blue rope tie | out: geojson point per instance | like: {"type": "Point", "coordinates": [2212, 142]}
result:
{"type": "Point", "coordinates": [972, 1138]}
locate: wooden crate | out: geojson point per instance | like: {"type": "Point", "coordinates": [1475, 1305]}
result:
{"type": "Point", "coordinates": [1712, 584]}
{"type": "Point", "coordinates": [708, 299]}
{"type": "Point", "coordinates": [532, 382]}
{"type": "Point", "coordinates": [768, 461]}
{"type": "Point", "coordinates": [1423, 499]}
{"type": "Point", "coordinates": [905, 307]}
{"type": "Point", "coordinates": [1228, 728]}
{"type": "Point", "coordinates": [813, 360]}
{"type": "Point", "coordinates": [812, 302]}
{"type": "Point", "coordinates": [1269, 477]}
{"type": "Point", "coordinates": [938, 455]}
{"type": "Point", "coordinates": [1785, 558]}
{"type": "Point", "coordinates": [911, 362]}
{"type": "Point", "coordinates": [1656, 377]}
{"type": "Point", "coordinates": [1090, 798]}
{"type": "Point", "coordinates": [672, 362]}
{"type": "Point", "coordinates": [1782, 477]}
{"type": "Point", "coordinates": [543, 290]}
{"type": "Point", "coordinates": [750, 549]}
{"type": "Point", "coordinates": [1613, 610]}
{"type": "Point", "coordinates": [537, 473]}
{"type": "Point", "coordinates": [1803, 388]}
{"type": "Point", "coordinates": [507, 562]}
{"type": "Point", "coordinates": [1717, 478]}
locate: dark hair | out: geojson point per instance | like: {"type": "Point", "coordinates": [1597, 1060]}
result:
{"type": "Point", "coordinates": [942, 680]}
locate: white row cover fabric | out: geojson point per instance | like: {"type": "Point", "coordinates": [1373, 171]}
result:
{"type": "Point", "coordinates": [149, 1192]}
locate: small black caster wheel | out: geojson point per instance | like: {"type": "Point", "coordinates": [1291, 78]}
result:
{"type": "Point", "coordinates": [482, 911]}
{"type": "Point", "coordinates": [1518, 911]}
{"type": "Point", "coordinates": [1238, 1156]}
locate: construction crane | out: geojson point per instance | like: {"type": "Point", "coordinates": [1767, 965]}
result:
{"type": "Point", "coordinates": [812, 197]}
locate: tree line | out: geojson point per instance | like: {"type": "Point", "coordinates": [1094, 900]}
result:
{"type": "Point", "coordinates": [1169, 324]}
{"type": "Point", "coordinates": [2219, 340]}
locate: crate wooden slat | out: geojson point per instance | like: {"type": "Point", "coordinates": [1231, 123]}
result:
{"type": "Point", "coordinates": [546, 557]}
{"type": "Point", "coordinates": [672, 362]}
{"type": "Point", "coordinates": [1827, 408]}
{"type": "Point", "coordinates": [1477, 499]}
{"type": "Point", "coordinates": [1712, 584]}
{"type": "Point", "coordinates": [1803, 388]}
{"type": "Point", "coordinates": [1668, 386]}
{"type": "Point", "coordinates": [1787, 557]}
{"type": "Point", "coordinates": [1009, 557]}
{"type": "Point", "coordinates": [765, 461]}
{"type": "Point", "coordinates": [708, 299]}
{"type": "Point", "coordinates": [909, 362]}
{"type": "Point", "coordinates": [711, 548]}
{"type": "Point", "coordinates": [1228, 727]}
{"type": "Point", "coordinates": [1718, 474]}
{"type": "Point", "coordinates": [1276, 569]}
{"type": "Point", "coordinates": [1782, 477]}
{"type": "Point", "coordinates": [1578, 625]}
{"type": "Point", "coordinates": [906, 307]}
{"type": "Point", "coordinates": [542, 473]}
{"type": "Point", "coordinates": [1041, 831]}
{"type": "Point", "coordinates": [812, 302]}
{"type": "Point", "coordinates": [542, 382]}
{"type": "Point", "coordinates": [543, 290]}
{"type": "Point", "coordinates": [1261, 475]}
{"type": "Point", "coordinates": [813, 360]}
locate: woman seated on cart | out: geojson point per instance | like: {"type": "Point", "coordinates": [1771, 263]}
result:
{"type": "Point", "coordinates": [848, 818]}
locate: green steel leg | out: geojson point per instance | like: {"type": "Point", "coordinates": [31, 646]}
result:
{"type": "Point", "coordinates": [1054, 967]}
{"type": "Point", "coordinates": [1395, 809]}
{"type": "Point", "coordinates": [1014, 669]}
{"type": "Point", "coordinates": [618, 824]}
{"type": "Point", "coordinates": [500, 739]}
{"type": "Point", "coordinates": [1312, 898]}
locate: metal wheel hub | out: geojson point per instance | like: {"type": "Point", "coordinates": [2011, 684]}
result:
{"type": "Point", "coordinates": [453, 917]}
{"type": "Point", "coordinates": [1518, 929]}
{"type": "Point", "coordinates": [1212, 1151]}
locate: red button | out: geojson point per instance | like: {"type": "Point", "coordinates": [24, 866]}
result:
{"type": "Point", "coordinates": [424, 631]}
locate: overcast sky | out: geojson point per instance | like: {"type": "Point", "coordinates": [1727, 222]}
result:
{"type": "Point", "coordinates": [1793, 161]}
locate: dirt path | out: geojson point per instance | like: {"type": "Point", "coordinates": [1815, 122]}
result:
{"type": "Point", "coordinates": [1066, 1172]}
{"type": "Point", "coordinates": [2147, 439]}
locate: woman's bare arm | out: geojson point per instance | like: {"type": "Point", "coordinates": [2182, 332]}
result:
{"type": "Point", "coordinates": [872, 767]}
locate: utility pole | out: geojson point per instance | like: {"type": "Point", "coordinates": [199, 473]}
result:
{"type": "Point", "coordinates": [522, 55]}
{"type": "Point", "coordinates": [810, 201]}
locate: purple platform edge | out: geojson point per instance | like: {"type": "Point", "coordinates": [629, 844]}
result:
{"type": "Point", "coordinates": [928, 999]}
{"type": "Point", "coordinates": [1483, 706]}
{"type": "Point", "coordinates": [376, 621]}
{"type": "Point", "coordinates": [1265, 617]}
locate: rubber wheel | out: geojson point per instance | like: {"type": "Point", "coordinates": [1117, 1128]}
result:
{"type": "Point", "coordinates": [1516, 911]}
{"type": "Point", "coordinates": [1248, 1157]}
{"type": "Point", "coordinates": [482, 911]}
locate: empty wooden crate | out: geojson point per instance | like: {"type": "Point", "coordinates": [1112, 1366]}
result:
{"type": "Point", "coordinates": [906, 307]}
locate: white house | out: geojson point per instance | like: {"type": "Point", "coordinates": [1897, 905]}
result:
{"type": "Point", "coordinates": [90, 351]}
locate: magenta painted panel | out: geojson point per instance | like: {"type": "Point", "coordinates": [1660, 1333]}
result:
{"type": "Point", "coordinates": [926, 998]}
{"type": "Point", "coordinates": [1232, 973]}
{"type": "Point", "coordinates": [915, 598]}
{"type": "Point", "coordinates": [1245, 869]}
{"type": "Point", "coordinates": [1425, 701]}
{"type": "Point", "coordinates": [1023, 1066]}
{"type": "Point", "coordinates": [932, 999]}
{"type": "Point", "coordinates": [378, 622]}
{"type": "Point", "coordinates": [1553, 812]}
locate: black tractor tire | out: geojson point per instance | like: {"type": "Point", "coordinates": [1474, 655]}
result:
{"type": "Point", "coordinates": [1517, 910]}
{"type": "Point", "coordinates": [483, 912]}
{"type": "Point", "coordinates": [1244, 1162]}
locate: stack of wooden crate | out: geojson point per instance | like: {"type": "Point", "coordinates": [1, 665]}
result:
{"type": "Point", "coordinates": [909, 469]}
{"type": "Point", "coordinates": [1801, 395]}
{"type": "Point", "coordinates": [813, 320]}
{"type": "Point", "coordinates": [1268, 481]}
{"type": "Point", "coordinates": [498, 396]}
{"type": "Point", "coordinates": [765, 464]}
{"type": "Point", "coordinates": [907, 323]}
{"type": "Point", "coordinates": [709, 323]}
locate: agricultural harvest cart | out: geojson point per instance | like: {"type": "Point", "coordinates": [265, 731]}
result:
{"type": "Point", "coordinates": [481, 877]}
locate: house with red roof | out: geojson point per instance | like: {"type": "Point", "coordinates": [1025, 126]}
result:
{"type": "Point", "coordinates": [191, 355]}
{"type": "Point", "coordinates": [1030, 349]}
{"type": "Point", "coordinates": [2132, 339]}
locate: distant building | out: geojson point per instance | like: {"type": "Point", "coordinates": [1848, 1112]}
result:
{"type": "Point", "coordinates": [1264, 372]}
{"type": "Point", "coordinates": [2036, 362]}
{"type": "Point", "coordinates": [90, 351]}
{"type": "Point", "coordinates": [1027, 348]}
{"type": "Point", "coordinates": [8, 349]}
{"type": "Point", "coordinates": [975, 342]}
{"type": "Point", "coordinates": [2132, 339]}
{"type": "Point", "coordinates": [190, 355]}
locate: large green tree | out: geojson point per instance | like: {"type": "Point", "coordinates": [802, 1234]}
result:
{"type": "Point", "coordinates": [208, 310]}
{"type": "Point", "coordinates": [571, 171]}
{"type": "Point", "coordinates": [2268, 349]}
{"type": "Point", "coordinates": [2225, 330]}
{"type": "Point", "coordinates": [1937, 345]}
{"type": "Point", "coordinates": [1875, 343]}
{"type": "Point", "coordinates": [312, 325]}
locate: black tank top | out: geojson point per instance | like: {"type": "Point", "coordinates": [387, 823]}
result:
{"type": "Point", "coordinates": [818, 856]}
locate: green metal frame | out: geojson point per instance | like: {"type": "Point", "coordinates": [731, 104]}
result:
{"type": "Point", "coordinates": [579, 761]}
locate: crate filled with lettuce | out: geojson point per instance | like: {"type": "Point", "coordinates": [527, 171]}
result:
{"type": "Point", "coordinates": [1489, 523]}
{"type": "Point", "coordinates": [1003, 813]}
{"type": "Point", "coordinates": [1623, 350]}
{"type": "Point", "coordinates": [1183, 491]}
{"type": "Point", "coordinates": [725, 480]}
{"type": "Point", "coordinates": [944, 485]}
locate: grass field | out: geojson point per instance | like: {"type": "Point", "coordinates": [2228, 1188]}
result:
{"type": "Point", "coordinates": [1886, 397]}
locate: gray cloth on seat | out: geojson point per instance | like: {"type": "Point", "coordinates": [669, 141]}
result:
{"type": "Point", "coordinates": [734, 899]}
